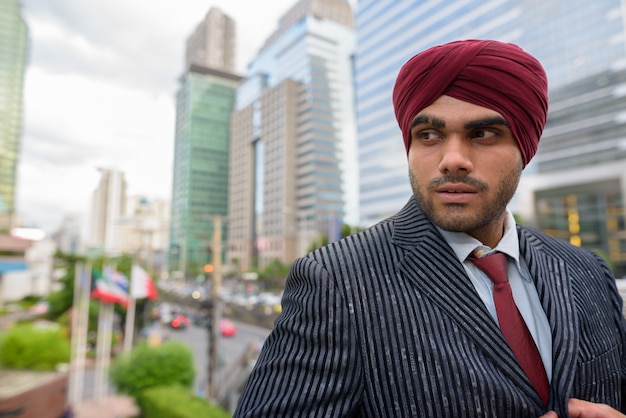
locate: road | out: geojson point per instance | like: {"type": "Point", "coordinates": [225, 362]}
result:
{"type": "Point", "coordinates": [230, 348]}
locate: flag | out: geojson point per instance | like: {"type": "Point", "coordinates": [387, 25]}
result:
{"type": "Point", "coordinates": [142, 285]}
{"type": "Point", "coordinates": [111, 286]}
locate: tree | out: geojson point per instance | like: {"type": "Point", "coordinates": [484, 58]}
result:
{"type": "Point", "coordinates": [122, 263]}
{"type": "Point", "coordinates": [345, 231]}
{"type": "Point", "coordinates": [274, 274]}
{"type": "Point", "coordinates": [349, 230]}
{"type": "Point", "coordinates": [61, 300]}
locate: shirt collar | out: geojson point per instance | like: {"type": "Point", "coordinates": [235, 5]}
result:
{"type": "Point", "coordinates": [463, 245]}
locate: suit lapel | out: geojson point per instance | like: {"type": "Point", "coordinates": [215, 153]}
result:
{"type": "Point", "coordinates": [426, 255]}
{"type": "Point", "coordinates": [554, 288]}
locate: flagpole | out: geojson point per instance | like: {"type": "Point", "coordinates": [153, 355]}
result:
{"type": "Point", "coordinates": [73, 397]}
{"type": "Point", "coordinates": [106, 361]}
{"type": "Point", "coordinates": [80, 321]}
{"type": "Point", "coordinates": [99, 370]}
{"type": "Point", "coordinates": [103, 349]}
{"type": "Point", "coordinates": [129, 329]}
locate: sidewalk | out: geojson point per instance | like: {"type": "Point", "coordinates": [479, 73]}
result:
{"type": "Point", "coordinates": [116, 406]}
{"type": "Point", "coordinates": [110, 405]}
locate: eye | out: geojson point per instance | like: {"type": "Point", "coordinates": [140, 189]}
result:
{"type": "Point", "coordinates": [426, 136]}
{"type": "Point", "coordinates": [485, 134]}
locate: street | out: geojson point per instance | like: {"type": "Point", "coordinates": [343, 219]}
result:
{"type": "Point", "coordinates": [230, 348]}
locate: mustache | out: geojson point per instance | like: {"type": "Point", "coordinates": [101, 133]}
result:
{"type": "Point", "coordinates": [447, 179]}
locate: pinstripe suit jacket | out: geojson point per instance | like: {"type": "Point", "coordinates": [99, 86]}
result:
{"type": "Point", "coordinates": [386, 323]}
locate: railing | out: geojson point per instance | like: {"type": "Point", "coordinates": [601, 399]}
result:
{"type": "Point", "coordinates": [235, 377]}
{"type": "Point", "coordinates": [253, 315]}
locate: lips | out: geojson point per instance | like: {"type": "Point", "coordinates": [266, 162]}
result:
{"type": "Point", "coordinates": [456, 193]}
{"type": "Point", "coordinates": [455, 188]}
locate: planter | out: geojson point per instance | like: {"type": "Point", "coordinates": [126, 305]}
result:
{"type": "Point", "coordinates": [27, 394]}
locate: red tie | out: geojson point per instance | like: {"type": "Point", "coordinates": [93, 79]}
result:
{"type": "Point", "coordinates": [511, 322]}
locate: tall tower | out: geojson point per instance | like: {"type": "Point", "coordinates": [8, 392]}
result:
{"type": "Point", "coordinates": [293, 138]}
{"type": "Point", "coordinates": [204, 102]}
{"type": "Point", "coordinates": [575, 187]}
{"type": "Point", "coordinates": [212, 44]}
{"type": "Point", "coordinates": [108, 205]}
{"type": "Point", "coordinates": [13, 59]}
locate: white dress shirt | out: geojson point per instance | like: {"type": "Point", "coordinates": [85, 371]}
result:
{"type": "Point", "coordinates": [522, 285]}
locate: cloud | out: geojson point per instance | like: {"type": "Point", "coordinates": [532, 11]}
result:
{"type": "Point", "coordinates": [100, 90]}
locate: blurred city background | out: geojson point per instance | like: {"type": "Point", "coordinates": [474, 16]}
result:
{"type": "Point", "coordinates": [212, 143]}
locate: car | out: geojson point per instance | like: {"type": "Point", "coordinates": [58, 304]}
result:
{"type": "Point", "coordinates": [201, 320]}
{"type": "Point", "coordinates": [165, 313]}
{"type": "Point", "coordinates": [227, 328]}
{"type": "Point", "coordinates": [40, 307]}
{"type": "Point", "coordinates": [180, 321]}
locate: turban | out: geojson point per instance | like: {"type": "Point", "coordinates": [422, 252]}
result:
{"type": "Point", "coordinates": [499, 76]}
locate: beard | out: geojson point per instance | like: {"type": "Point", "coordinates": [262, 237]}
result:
{"type": "Point", "coordinates": [458, 217]}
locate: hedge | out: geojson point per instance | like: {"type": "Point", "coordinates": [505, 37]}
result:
{"type": "Point", "coordinates": [25, 346]}
{"type": "Point", "coordinates": [176, 402]}
{"type": "Point", "coordinates": [171, 363]}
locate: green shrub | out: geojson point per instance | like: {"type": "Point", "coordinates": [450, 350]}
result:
{"type": "Point", "coordinates": [171, 363]}
{"type": "Point", "coordinates": [176, 402]}
{"type": "Point", "coordinates": [28, 301]}
{"type": "Point", "coordinates": [24, 346]}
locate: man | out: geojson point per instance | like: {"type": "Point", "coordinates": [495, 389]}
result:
{"type": "Point", "coordinates": [406, 320]}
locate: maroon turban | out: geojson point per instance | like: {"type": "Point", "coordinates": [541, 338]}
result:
{"type": "Point", "coordinates": [499, 76]}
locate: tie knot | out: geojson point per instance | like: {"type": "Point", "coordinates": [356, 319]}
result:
{"type": "Point", "coordinates": [493, 265]}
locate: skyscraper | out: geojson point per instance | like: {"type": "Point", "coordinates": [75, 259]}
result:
{"type": "Point", "coordinates": [143, 231]}
{"type": "Point", "coordinates": [108, 205]}
{"type": "Point", "coordinates": [212, 44]}
{"type": "Point", "coordinates": [204, 102]}
{"type": "Point", "coordinates": [574, 187]}
{"type": "Point", "coordinates": [13, 58]}
{"type": "Point", "coordinates": [293, 156]}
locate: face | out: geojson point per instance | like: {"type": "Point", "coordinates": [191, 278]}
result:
{"type": "Point", "coordinates": [464, 167]}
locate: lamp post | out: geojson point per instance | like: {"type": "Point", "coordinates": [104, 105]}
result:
{"type": "Point", "coordinates": [214, 333]}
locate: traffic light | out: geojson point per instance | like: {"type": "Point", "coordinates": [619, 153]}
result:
{"type": "Point", "coordinates": [208, 268]}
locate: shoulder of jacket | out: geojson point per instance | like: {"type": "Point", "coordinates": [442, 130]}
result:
{"type": "Point", "coordinates": [357, 245]}
{"type": "Point", "coordinates": [557, 247]}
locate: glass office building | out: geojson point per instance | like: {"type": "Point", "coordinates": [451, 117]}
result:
{"type": "Point", "coordinates": [582, 152]}
{"type": "Point", "coordinates": [13, 59]}
{"type": "Point", "coordinates": [200, 176]}
{"type": "Point", "coordinates": [204, 102]}
{"type": "Point", "coordinates": [293, 151]}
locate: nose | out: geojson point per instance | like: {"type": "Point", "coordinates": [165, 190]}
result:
{"type": "Point", "coordinates": [456, 157]}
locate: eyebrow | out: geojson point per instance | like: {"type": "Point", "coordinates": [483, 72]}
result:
{"type": "Point", "coordinates": [440, 123]}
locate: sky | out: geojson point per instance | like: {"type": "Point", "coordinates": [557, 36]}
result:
{"type": "Point", "coordinates": [100, 91]}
